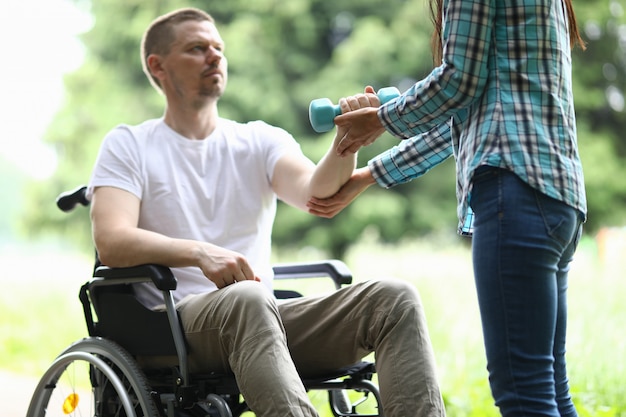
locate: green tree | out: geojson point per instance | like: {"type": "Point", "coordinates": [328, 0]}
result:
{"type": "Point", "coordinates": [599, 88]}
{"type": "Point", "coordinates": [284, 54]}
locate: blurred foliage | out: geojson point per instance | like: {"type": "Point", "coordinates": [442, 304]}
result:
{"type": "Point", "coordinates": [599, 90]}
{"type": "Point", "coordinates": [11, 182]}
{"type": "Point", "coordinates": [284, 54]}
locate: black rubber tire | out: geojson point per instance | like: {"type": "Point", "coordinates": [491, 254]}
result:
{"type": "Point", "coordinates": [97, 357]}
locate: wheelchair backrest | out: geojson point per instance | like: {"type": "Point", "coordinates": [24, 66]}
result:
{"type": "Point", "coordinates": [122, 318]}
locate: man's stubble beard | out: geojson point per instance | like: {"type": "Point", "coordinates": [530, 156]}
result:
{"type": "Point", "coordinates": [214, 90]}
{"type": "Point", "coordinates": [209, 93]}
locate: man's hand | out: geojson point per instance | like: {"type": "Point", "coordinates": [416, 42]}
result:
{"type": "Point", "coordinates": [120, 243]}
{"type": "Point", "coordinates": [224, 267]}
{"type": "Point", "coordinates": [360, 180]}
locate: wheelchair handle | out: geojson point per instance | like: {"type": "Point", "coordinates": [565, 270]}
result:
{"type": "Point", "coordinates": [333, 268]}
{"type": "Point", "coordinates": [68, 200]}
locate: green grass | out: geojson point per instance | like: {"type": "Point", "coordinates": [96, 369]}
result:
{"type": "Point", "coordinates": [40, 315]}
{"type": "Point", "coordinates": [442, 272]}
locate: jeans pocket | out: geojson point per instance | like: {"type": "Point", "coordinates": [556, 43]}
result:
{"type": "Point", "coordinates": [482, 187]}
{"type": "Point", "coordinates": [561, 220]}
{"type": "Point", "coordinates": [484, 173]}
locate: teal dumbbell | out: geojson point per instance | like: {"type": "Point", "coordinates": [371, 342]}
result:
{"type": "Point", "coordinates": [322, 111]}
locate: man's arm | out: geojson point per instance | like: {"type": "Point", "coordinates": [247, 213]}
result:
{"type": "Point", "coordinates": [359, 181]}
{"type": "Point", "coordinates": [404, 162]}
{"type": "Point", "coordinates": [296, 179]}
{"type": "Point", "coordinates": [121, 243]}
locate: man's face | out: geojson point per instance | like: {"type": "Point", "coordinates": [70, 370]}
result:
{"type": "Point", "coordinates": [195, 67]}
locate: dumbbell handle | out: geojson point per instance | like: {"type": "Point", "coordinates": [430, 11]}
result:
{"type": "Point", "coordinates": [322, 111]}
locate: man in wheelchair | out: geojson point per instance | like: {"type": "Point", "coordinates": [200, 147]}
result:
{"type": "Point", "coordinates": [198, 193]}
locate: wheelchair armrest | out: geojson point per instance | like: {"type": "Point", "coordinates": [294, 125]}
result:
{"type": "Point", "coordinates": [161, 276]}
{"type": "Point", "coordinates": [335, 269]}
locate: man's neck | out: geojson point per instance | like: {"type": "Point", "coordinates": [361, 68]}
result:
{"type": "Point", "coordinates": [190, 122]}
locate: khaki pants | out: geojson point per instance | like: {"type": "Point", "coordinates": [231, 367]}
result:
{"type": "Point", "coordinates": [265, 343]}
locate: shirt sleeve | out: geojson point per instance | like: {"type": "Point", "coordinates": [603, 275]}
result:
{"type": "Point", "coordinates": [454, 85]}
{"type": "Point", "coordinates": [276, 143]}
{"type": "Point", "coordinates": [412, 158]}
{"type": "Point", "coordinates": [118, 163]}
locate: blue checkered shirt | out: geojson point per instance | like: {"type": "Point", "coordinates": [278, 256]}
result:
{"type": "Point", "coordinates": [502, 97]}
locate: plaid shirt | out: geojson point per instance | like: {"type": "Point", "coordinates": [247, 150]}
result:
{"type": "Point", "coordinates": [502, 97]}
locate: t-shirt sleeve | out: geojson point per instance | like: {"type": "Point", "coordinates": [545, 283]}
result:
{"type": "Point", "coordinates": [118, 163]}
{"type": "Point", "coordinates": [277, 142]}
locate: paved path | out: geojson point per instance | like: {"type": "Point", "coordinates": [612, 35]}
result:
{"type": "Point", "coordinates": [15, 393]}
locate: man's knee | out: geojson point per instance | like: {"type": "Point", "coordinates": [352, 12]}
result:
{"type": "Point", "coordinates": [394, 293]}
{"type": "Point", "coordinates": [219, 323]}
{"type": "Point", "coordinates": [248, 291]}
{"type": "Point", "coordinates": [250, 299]}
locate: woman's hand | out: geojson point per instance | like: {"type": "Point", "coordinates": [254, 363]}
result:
{"type": "Point", "coordinates": [359, 127]}
{"type": "Point", "coordinates": [360, 180]}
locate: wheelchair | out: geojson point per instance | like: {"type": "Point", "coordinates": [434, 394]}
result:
{"type": "Point", "coordinates": [101, 375]}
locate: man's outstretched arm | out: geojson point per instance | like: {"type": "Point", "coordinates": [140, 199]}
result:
{"type": "Point", "coordinates": [296, 179]}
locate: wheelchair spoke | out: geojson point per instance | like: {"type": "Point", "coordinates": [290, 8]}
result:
{"type": "Point", "coordinates": [93, 378]}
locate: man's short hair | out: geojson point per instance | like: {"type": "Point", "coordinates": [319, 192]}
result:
{"type": "Point", "coordinates": [159, 36]}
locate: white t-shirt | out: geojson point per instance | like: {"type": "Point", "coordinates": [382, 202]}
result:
{"type": "Point", "coordinates": [216, 190]}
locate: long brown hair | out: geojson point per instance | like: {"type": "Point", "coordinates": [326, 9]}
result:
{"type": "Point", "coordinates": [436, 15]}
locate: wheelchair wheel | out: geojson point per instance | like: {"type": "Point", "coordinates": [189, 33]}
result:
{"type": "Point", "coordinates": [93, 377]}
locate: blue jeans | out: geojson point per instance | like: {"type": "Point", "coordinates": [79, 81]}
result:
{"type": "Point", "coordinates": [522, 247]}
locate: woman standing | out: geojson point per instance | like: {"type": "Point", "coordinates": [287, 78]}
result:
{"type": "Point", "coordinates": [500, 100]}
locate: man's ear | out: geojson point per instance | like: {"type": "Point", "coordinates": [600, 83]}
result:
{"type": "Point", "coordinates": [154, 65]}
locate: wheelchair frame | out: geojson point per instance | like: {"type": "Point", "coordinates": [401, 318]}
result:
{"type": "Point", "coordinates": [119, 385]}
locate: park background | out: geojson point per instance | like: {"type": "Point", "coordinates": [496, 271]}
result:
{"type": "Point", "coordinates": [63, 93]}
